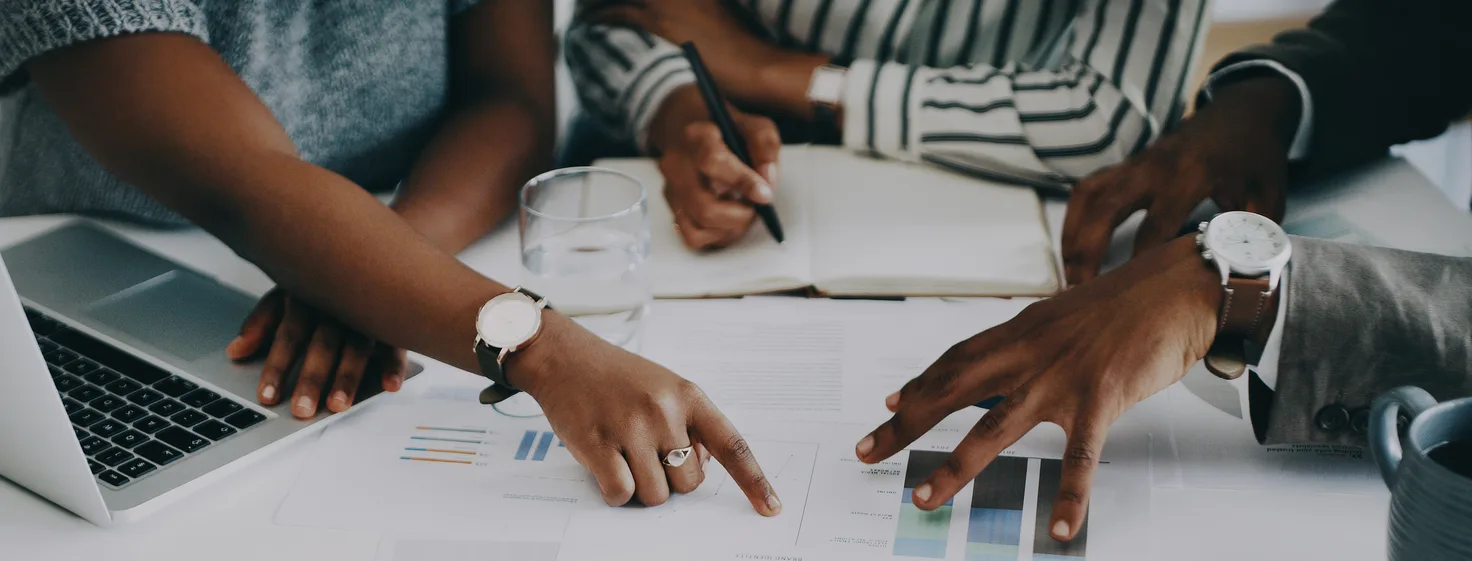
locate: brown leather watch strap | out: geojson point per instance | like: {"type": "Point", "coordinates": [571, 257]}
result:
{"type": "Point", "coordinates": [1248, 309]}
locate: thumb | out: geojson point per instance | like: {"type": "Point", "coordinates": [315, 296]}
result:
{"type": "Point", "coordinates": [258, 328]}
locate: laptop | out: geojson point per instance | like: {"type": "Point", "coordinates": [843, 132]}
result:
{"type": "Point", "coordinates": [116, 396]}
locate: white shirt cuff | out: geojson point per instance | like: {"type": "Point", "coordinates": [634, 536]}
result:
{"type": "Point", "coordinates": [1304, 136]}
{"type": "Point", "coordinates": [1267, 366]}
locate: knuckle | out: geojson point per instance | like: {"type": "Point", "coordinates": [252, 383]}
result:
{"type": "Point", "coordinates": [992, 422]}
{"type": "Point", "coordinates": [1072, 496]}
{"type": "Point", "coordinates": [738, 449]}
{"type": "Point", "coordinates": [618, 492]}
{"type": "Point", "coordinates": [953, 467]}
{"type": "Point", "coordinates": [654, 498]}
{"type": "Point", "coordinates": [1080, 456]}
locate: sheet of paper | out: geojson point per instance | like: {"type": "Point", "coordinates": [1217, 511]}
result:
{"type": "Point", "coordinates": [439, 464]}
{"type": "Point", "coordinates": [885, 227]}
{"type": "Point", "coordinates": [835, 507]}
{"type": "Point", "coordinates": [755, 264]}
{"type": "Point", "coordinates": [811, 359]}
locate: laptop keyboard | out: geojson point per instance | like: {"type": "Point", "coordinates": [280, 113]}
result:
{"type": "Point", "coordinates": [131, 417]}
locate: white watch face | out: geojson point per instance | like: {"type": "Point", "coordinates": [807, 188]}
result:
{"type": "Point", "coordinates": [509, 320]}
{"type": "Point", "coordinates": [1247, 240]}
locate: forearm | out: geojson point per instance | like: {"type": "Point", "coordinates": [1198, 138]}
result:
{"type": "Point", "coordinates": [467, 179]}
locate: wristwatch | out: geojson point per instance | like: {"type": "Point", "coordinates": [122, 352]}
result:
{"type": "Point", "coordinates": [506, 324]}
{"type": "Point", "coordinates": [825, 94]}
{"type": "Point", "coordinates": [1251, 252]}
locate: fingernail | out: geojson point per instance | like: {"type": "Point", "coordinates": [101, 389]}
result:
{"type": "Point", "coordinates": [764, 191]}
{"type": "Point", "coordinates": [770, 170]}
{"type": "Point", "coordinates": [774, 504]}
{"type": "Point", "coordinates": [1060, 529]}
{"type": "Point", "coordinates": [233, 349]}
{"type": "Point", "coordinates": [892, 401]}
{"type": "Point", "coordinates": [922, 493]}
{"type": "Point", "coordinates": [303, 406]}
{"type": "Point", "coordinates": [865, 446]}
{"type": "Point", "coordinates": [268, 393]}
{"type": "Point", "coordinates": [340, 400]}
{"type": "Point", "coordinates": [395, 382]}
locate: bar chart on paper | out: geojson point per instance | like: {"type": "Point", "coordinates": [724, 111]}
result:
{"type": "Point", "coordinates": [866, 511]}
{"type": "Point", "coordinates": [469, 445]}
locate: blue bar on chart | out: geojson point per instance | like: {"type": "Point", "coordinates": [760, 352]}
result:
{"type": "Point", "coordinates": [921, 533]}
{"type": "Point", "coordinates": [994, 530]}
{"type": "Point", "coordinates": [542, 447]}
{"type": "Point", "coordinates": [1044, 547]}
{"type": "Point", "coordinates": [526, 444]}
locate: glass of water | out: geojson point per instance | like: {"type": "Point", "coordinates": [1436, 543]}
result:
{"type": "Point", "coordinates": [585, 241]}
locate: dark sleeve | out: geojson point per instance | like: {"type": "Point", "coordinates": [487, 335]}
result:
{"type": "Point", "coordinates": [1381, 73]}
{"type": "Point", "coordinates": [1362, 320]}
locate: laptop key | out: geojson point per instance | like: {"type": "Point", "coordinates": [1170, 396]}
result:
{"type": "Point", "coordinates": [222, 408]}
{"type": "Point", "coordinates": [200, 398]}
{"type": "Point", "coordinates": [107, 355]}
{"type": "Point", "coordinates": [71, 405]}
{"type": "Point", "coordinates": [107, 428]}
{"type": "Point", "coordinates": [189, 418]}
{"type": "Point", "coordinates": [83, 367]}
{"type": "Point", "coordinates": [136, 468]}
{"type": "Point", "coordinates": [175, 386]}
{"type": "Point", "coordinates": [86, 393]}
{"type": "Point", "coordinates": [47, 346]}
{"type": "Point", "coordinates": [60, 357]}
{"type": "Point", "coordinates": [100, 376]}
{"type": "Point", "coordinates": [67, 382]}
{"type": "Point", "coordinates": [113, 478]}
{"type": "Point", "coordinates": [151, 425]}
{"type": "Point", "coordinates": [79, 433]}
{"type": "Point", "coordinates": [86, 417]}
{"type": "Point", "coordinates": [123, 386]}
{"type": "Point", "coordinates": [95, 467]}
{"type": "Point", "coordinates": [167, 407]}
{"type": "Point", "coordinates": [214, 430]}
{"type": "Point", "coordinates": [129, 413]}
{"type": "Point", "coordinates": [92, 445]}
{"type": "Point", "coordinates": [129, 439]}
{"type": "Point", "coordinates": [245, 419]}
{"type": "Point", "coordinates": [114, 456]}
{"type": "Point", "coordinates": [145, 397]}
{"type": "Point", "coordinates": [107, 403]}
{"type": "Point", "coordinates": [182, 439]}
{"type": "Point", "coordinates": [157, 453]}
{"type": "Point", "coordinates": [55, 370]}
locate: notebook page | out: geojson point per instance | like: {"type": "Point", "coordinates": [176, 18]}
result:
{"type": "Point", "coordinates": [893, 228]}
{"type": "Point", "coordinates": [755, 264]}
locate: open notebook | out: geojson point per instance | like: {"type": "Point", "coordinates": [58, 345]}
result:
{"type": "Point", "coordinates": [858, 226]}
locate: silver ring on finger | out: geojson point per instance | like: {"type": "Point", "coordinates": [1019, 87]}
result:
{"type": "Point", "coordinates": [678, 456]}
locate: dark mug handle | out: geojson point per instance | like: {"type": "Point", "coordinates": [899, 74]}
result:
{"type": "Point", "coordinates": [1384, 438]}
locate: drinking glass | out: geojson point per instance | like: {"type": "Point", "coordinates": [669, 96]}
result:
{"type": "Point", "coordinates": [585, 243]}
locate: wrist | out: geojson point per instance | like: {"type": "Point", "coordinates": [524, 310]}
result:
{"type": "Point", "coordinates": [785, 81]}
{"type": "Point", "coordinates": [1199, 288]}
{"type": "Point", "coordinates": [681, 107]}
{"type": "Point", "coordinates": [1262, 109]}
{"type": "Point", "coordinates": [530, 368]}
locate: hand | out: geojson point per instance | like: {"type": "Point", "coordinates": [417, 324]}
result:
{"type": "Point", "coordinates": [1078, 360]}
{"type": "Point", "coordinates": [620, 415]}
{"type": "Point", "coordinates": [1234, 152]}
{"type": "Point", "coordinates": [290, 328]}
{"type": "Point", "coordinates": [709, 190]}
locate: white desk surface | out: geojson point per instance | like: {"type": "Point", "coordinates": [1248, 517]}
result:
{"type": "Point", "coordinates": [232, 520]}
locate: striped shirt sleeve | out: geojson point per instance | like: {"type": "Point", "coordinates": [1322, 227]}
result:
{"type": "Point", "coordinates": [623, 75]}
{"type": "Point", "coordinates": [1120, 79]}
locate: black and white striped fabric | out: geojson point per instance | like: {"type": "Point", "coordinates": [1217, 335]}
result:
{"type": "Point", "coordinates": [1040, 92]}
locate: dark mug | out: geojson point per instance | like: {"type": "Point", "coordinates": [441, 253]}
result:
{"type": "Point", "coordinates": [1429, 473]}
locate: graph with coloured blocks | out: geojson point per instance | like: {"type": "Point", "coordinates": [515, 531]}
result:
{"type": "Point", "coordinates": [1011, 498]}
{"type": "Point", "coordinates": [478, 445]}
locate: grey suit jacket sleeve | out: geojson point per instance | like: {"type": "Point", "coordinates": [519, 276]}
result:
{"type": "Point", "coordinates": [1362, 320]}
{"type": "Point", "coordinates": [1381, 72]}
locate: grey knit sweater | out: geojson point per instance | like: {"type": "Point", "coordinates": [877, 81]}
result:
{"type": "Point", "coordinates": [358, 84]}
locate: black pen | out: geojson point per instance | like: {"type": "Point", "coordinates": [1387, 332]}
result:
{"type": "Point", "coordinates": [717, 107]}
